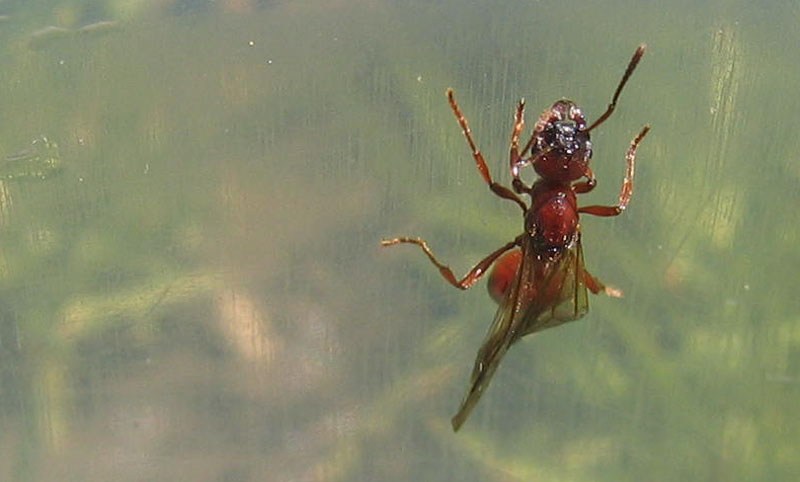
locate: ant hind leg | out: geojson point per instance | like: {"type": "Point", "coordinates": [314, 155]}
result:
{"type": "Point", "coordinates": [596, 286]}
{"type": "Point", "coordinates": [472, 276]}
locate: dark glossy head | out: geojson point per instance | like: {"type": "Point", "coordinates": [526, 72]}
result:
{"type": "Point", "coordinates": [561, 149]}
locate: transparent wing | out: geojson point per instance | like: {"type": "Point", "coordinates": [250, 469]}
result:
{"type": "Point", "coordinates": [562, 294]}
{"type": "Point", "coordinates": [543, 294]}
{"type": "Point", "coordinates": [501, 335]}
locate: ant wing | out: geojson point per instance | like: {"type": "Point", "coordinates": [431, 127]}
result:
{"type": "Point", "coordinates": [562, 294]}
{"type": "Point", "coordinates": [544, 293]}
{"type": "Point", "coordinates": [504, 330]}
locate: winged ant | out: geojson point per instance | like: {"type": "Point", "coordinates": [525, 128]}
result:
{"type": "Point", "coordinates": [539, 278]}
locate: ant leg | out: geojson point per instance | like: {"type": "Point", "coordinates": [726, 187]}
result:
{"type": "Point", "coordinates": [627, 183]}
{"type": "Point", "coordinates": [515, 160]}
{"type": "Point", "coordinates": [472, 276]}
{"type": "Point", "coordinates": [637, 56]}
{"type": "Point", "coordinates": [527, 147]}
{"type": "Point", "coordinates": [596, 286]}
{"type": "Point", "coordinates": [496, 188]}
{"type": "Point", "coordinates": [518, 185]}
{"type": "Point", "coordinates": [587, 185]}
{"type": "Point", "coordinates": [519, 123]}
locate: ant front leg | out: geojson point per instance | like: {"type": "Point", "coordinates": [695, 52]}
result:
{"type": "Point", "coordinates": [627, 184]}
{"type": "Point", "coordinates": [519, 123]}
{"type": "Point", "coordinates": [587, 185]}
{"type": "Point", "coordinates": [519, 186]}
{"type": "Point", "coordinates": [496, 188]}
{"type": "Point", "coordinates": [474, 274]}
{"type": "Point", "coordinates": [515, 159]}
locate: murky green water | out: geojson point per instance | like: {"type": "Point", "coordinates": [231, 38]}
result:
{"type": "Point", "coordinates": [192, 195]}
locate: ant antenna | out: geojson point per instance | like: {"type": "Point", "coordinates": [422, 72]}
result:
{"type": "Point", "coordinates": [637, 56]}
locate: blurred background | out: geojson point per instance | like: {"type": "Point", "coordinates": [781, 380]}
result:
{"type": "Point", "coordinates": [193, 194]}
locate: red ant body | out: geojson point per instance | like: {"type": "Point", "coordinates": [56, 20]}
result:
{"type": "Point", "coordinates": [543, 283]}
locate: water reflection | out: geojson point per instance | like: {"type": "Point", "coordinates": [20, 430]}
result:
{"type": "Point", "coordinates": [41, 160]}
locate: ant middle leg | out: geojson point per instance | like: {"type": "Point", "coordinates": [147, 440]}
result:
{"type": "Point", "coordinates": [472, 276]}
{"type": "Point", "coordinates": [496, 188]}
{"type": "Point", "coordinates": [627, 183]}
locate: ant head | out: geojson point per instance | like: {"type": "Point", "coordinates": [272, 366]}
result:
{"type": "Point", "coordinates": [561, 150]}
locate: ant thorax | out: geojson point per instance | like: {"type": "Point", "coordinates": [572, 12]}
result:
{"type": "Point", "coordinates": [552, 221]}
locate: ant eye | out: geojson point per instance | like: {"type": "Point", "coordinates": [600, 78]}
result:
{"type": "Point", "coordinates": [575, 113]}
{"type": "Point", "coordinates": [549, 134]}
